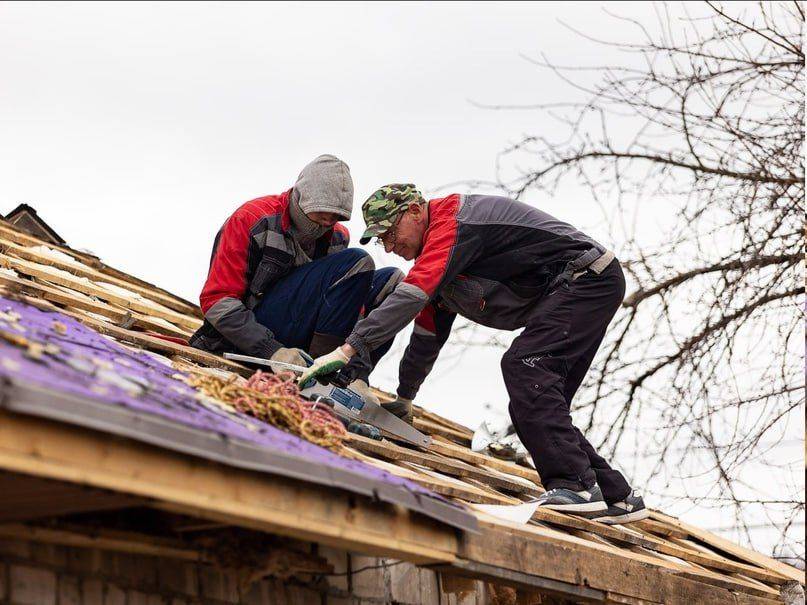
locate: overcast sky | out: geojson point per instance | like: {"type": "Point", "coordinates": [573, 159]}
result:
{"type": "Point", "coordinates": [136, 129]}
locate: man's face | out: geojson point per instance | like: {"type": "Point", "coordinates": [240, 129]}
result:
{"type": "Point", "coordinates": [405, 238]}
{"type": "Point", "coordinates": [324, 219]}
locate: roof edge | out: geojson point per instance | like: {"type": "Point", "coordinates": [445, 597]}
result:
{"type": "Point", "coordinates": [41, 402]}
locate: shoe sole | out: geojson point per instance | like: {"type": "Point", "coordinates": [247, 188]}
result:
{"type": "Point", "coordinates": [626, 518]}
{"type": "Point", "coordinates": [588, 507]}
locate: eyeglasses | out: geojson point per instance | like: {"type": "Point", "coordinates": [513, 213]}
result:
{"type": "Point", "coordinates": [388, 237]}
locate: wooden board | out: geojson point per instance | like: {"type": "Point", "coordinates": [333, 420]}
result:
{"type": "Point", "coordinates": [731, 548]}
{"type": "Point", "coordinates": [188, 485]}
{"type": "Point", "coordinates": [85, 286]}
{"type": "Point", "coordinates": [11, 233]}
{"type": "Point", "coordinates": [456, 468]}
{"type": "Point", "coordinates": [82, 270]}
{"type": "Point", "coordinates": [463, 453]}
{"type": "Point", "coordinates": [64, 298]}
{"type": "Point", "coordinates": [546, 552]}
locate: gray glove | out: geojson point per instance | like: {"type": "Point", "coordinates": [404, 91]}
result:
{"type": "Point", "coordinates": [296, 357]}
{"type": "Point", "coordinates": [401, 407]}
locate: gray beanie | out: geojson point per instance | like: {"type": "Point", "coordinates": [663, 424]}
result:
{"type": "Point", "coordinates": [325, 185]}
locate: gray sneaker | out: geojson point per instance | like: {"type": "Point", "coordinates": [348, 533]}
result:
{"type": "Point", "coordinates": [630, 509]}
{"type": "Point", "coordinates": [569, 501]}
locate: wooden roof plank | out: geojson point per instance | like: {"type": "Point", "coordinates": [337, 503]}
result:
{"type": "Point", "coordinates": [82, 270]}
{"type": "Point", "coordinates": [9, 232]}
{"type": "Point", "coordinates": [86, 286]}
{"type": "Point", "coordinates": [735, 550]}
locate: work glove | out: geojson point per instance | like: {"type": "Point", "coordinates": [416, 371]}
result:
{"type": "Point", "coordinates": [294, 356]}
{"type": "Point", "coordinates": [361, 388]}
{"type": "Point", "coordinates": [329, 363]}
{"type": "Point", "coordinates": [401, 407]}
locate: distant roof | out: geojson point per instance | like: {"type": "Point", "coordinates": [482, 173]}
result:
{"type": "Point", "coordinates": [25, 217]}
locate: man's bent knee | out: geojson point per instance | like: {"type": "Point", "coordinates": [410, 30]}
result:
{"type": "Point", "coordinates": [352, 261]}
{"type": "Point", "coordinates": [387, 278]}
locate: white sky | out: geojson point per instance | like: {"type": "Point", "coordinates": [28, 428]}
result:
{"type": "Point", "coordinates": [135, 129]}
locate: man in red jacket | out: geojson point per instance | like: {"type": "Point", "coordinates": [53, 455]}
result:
{"type": "Point", "coordinates": [282, 280]}
{"type": "Point", "coordinates": [506, 265]}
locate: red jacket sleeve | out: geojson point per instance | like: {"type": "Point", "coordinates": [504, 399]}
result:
{"type": "Point", "coordinates": [227, 277]}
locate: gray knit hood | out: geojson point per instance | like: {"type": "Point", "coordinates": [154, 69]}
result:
{"type": "Point", "coordinates": [325, 185]}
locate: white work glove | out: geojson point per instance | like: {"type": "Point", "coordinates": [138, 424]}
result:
{"type": "Point", "coordinates": [362, 389]}
{"type": "Point", "coordinates": [296, 357]}
{"type": "Point", "coordinates": [329, 363]}
{"type": "Point", "coordinates": [401, 407]}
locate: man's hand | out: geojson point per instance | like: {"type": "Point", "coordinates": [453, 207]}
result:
{"type": "Point", "coordinates": [296, 357]}
{"type": "Point", "coordinates": [327, 364]}
{"type": "Point", "coordinates": [401, 407]}
{"type": "Point", "coordinates": [361, 388]}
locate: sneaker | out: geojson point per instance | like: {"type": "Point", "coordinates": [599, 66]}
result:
{"type": "Point", "coordinates": [569, 501]}
{"type": "Point", "coordinates": [630, 509]}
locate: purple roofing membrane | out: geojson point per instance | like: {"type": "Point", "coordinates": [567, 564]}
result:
{"type": "Point", "coordinates": [132, 388]}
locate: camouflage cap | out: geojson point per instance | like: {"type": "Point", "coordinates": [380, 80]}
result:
{"type": "Point", "coordinates": [381, 208]}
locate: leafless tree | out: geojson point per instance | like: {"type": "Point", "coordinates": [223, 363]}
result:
{"type": "Point", "coordinates": [704, 126]}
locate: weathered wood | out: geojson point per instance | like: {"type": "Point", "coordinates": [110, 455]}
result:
{"type": "Point", "coordinates": [548, 553]}
{"type": "Point", "coordinates": [104, 539]}
{"type": "Point", "coordinates": [625, 536]}
{"type": "Point", "coordinates": [445, 486]}
{"type": "Point", "coordinates": [456, 468]}
{"type": "Point", "coordinates": [463, 453]}
{"type": "Point", "coordinates": [52, 275]}
{"type": "Point", "coordinates": [545, 585]}
{"type": "Point", "coordinates": [60, 297]}
{"type": "Point", "coordinates": [186, 485]}
{"type": "Point", "coordinates": [82, 270]}
{"type": "Point", "coordinates": [735, 550]}
{"type": "Point", "coordinates": [160, 346]}
{"type": "Point", "coordinates": [661, 529]}
{"type": "Point", "coordinates": [432, 428]}
{"type": "Point", "coordinates": [12, 233]}
{"type": "Point", "coordinates": [421, 412]}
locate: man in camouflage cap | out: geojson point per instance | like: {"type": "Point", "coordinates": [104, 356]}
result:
{"type": "Point", "coordinates": [505, 265]}
{"type": "Point", "coordinates": [383, 207]}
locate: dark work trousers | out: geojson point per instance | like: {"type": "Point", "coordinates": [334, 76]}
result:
{"type": "Point", "coordinates": [327, 296]}
{"type": "Point", "coordinates": [543, 369]}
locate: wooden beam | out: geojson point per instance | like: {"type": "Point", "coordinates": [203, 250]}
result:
{"type": "Point", "coordinates": [445, 486]}
{"type": "Point", "coordinates": [62, 298]}
{"type": "Point", "coordinates": [85, 286]}
{"type": "Point", "coordinates": [627, 536]}
{"type": "Point", "coordinates": [103, 539]}
{"type": "Point", "coordinates": [500, 575]}
{"type": "Point", "coordinates": [731, 548]}
{"type": "Point", "coordinates": [9, 232]}
{"type": "Point", "coordinates": [549, 553]}
{"type": "Point", "coordinates": [432, 428]}
{"type": "Point", "coordinates": [456, 468]}
{"type": "Point", "coordinates": [82, 270]}
{"type": "Point", "coordinates": [186, 485]}
{"type": "Point", "coordinates": [466, 455]}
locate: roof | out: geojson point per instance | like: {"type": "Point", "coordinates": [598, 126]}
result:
{"type": "Point", "coordinates": [26, 218]}
{"type": "Point", "coordinates": [89, 354]}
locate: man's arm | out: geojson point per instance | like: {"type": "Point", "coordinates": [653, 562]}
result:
{"type": "Point", "coordinates": [432, 328]}
{"type": "Point", "coordinates": [221, 298]}
{"type": "Point", "coordinates": [442, 259]}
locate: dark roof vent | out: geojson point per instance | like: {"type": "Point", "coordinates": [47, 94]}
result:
{"type": "Point", "coordinates": [26, 219]}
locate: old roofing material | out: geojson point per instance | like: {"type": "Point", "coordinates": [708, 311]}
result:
{"type": "Point", "coordinates": [52, 366]}
{"type": "Point", "coordinates": [645, 560]}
